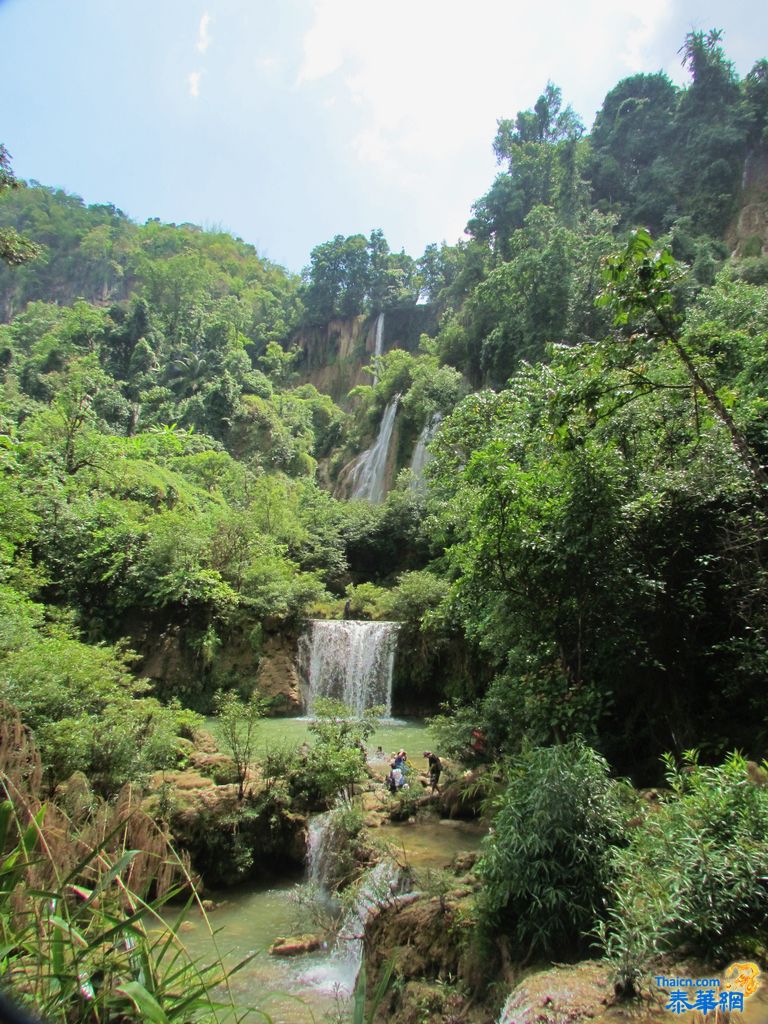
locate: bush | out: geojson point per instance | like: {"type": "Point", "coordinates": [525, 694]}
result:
{"type": "Point", "coordinates": [546, 867]}
{"type": "Point", "coordinates": [452, 730]}
{"type": "Point", "coordinates": [695, 872]}
{"type": "Point", "coordinates": [336, 759]}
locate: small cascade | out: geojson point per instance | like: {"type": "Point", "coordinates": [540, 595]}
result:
{"type": "Point", "coordinates": [367, 474]}
{"type": "Point", "coordinates": [320, 849]}
{"type": "Point", "coordinates": [421, 456]}
{"type": "Point", "coordinates": [378, 344]}
{"type": "Point", "coordinates": [382, 885]}
{"type": "Point", "coordinates": [349, 660]}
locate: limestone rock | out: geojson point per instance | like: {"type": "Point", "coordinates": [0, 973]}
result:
{"type": "Point", "coordinates": [295, 945]}
{"type": "Point", "coordinates": [575, 994]}
{"type": "Point", "coordinates": [277, 677]}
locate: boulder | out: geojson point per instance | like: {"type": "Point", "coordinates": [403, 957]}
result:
{"type": "Point", "coordinates": [295, 945]}
{"type": "Point", "coordinates": [568, 994]}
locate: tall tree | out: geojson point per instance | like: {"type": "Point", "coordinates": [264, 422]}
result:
{"type": "Point", "coordinates": [14, 247]}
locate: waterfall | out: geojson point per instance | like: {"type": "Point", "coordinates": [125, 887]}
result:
{"type": "Point", "coordinates": [349, 660]}
{"type": "Point", "coordinates": [382, 885]}
{"type": "Point", "coordinates": [320, 849]}
{"type": "Point", "coordinates": [421, 456]}
{"type": "Point", "coordinates": [367, 474]}
{"type": "Point", "coordinates": [377, 346]}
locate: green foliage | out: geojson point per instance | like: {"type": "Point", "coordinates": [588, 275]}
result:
{"type": "Point", "coordinates": [416, 595]}
{"type": "Point", "coordinates": [367, 601]}
{"type": "Point", "coordinates": [15, 249]}
{"type": "Point", "coordinates": [348, 276]}
{"type": "Point", "coordinates": [88, 712]}
{"type": "Point", "coordinates": [452, 729]}
{"type": "Point", "coordinates": [335, 760]}
{"type": "Point", "coordinates": [546, 867]}
{"type": "Point", "coordinates": [83, 942]}
{"type": "Point", "coordinates": [236, 722]}
{"type": "Point", "coordinates": [694, 870]}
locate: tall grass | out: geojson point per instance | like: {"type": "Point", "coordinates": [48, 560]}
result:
{"type": "Point", "coordinates": [82, 940]}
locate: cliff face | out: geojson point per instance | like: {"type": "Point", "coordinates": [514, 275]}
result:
{"type": "Point", "coordinates": [333, 355]}
{"type": "Point", "coordinates": [748, 235]}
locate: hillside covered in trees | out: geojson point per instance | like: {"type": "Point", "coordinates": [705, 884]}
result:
{"type": "Point", "coordinates": [585, 552]}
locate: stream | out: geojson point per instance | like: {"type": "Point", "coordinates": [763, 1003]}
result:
{"type": "Point", "coordinates": [248, 918]}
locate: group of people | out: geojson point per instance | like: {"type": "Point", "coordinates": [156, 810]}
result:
{"type": "Point", "coordinates": [400, 768]}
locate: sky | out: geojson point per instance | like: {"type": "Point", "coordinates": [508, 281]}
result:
{"type": "Point", "coordinates": [287, 122]}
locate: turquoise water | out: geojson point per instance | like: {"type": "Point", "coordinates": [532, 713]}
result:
{"type": "Point", "coordinates": [410, 734]}
{"type": "Point", "coordinates": [248, 919]}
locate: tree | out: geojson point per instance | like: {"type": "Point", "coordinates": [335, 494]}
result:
{"type": "Point", "coordinates": [544, 167]}
{"type": "Point", "coordinates": [711, 134]}
{"type": "Point", "coordinates": [335, 761]}
{"type": "Point", "coordinates": [236, 722]}
{"type": "Point", "coordinates": [640, 284]}
{"type": "Point", "coordinates": [631, 142]}
{"type": "Point", "coordinates": [548, 122]}
{"type": "Point", "coordinates": [15, 249]}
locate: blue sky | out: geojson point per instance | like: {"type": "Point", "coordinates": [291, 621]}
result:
{"type": "Point", "coordinates": [290, 121]}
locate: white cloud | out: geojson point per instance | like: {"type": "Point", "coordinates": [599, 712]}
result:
{"type": "Point", "coordinates": [652, 15]}
{"type": "Point", "coordinates": [417, 86]}
{"type": "Point", "coordinates": [430, 77]}
{"type": "Point", "coordinates": [203, 36]}
{"type": "Point", "coordinates": [267, 64]}
{"type": "Point", "coordinates": [193, 81]}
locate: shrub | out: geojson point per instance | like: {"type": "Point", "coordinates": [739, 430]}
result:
{"type": "Point", "coordinates": [695, 872]}
{"type": "Point", "coordinates": [546, 866]}
{"type": "Point", "coordinates": [336, 759]}
{"type": "Point", "coordinates": [452, 730]}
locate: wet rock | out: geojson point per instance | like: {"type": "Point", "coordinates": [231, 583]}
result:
{"type": "Point", "coordinates": [462, 863]}
{"type": "Point", "coordinates": [295, 945]}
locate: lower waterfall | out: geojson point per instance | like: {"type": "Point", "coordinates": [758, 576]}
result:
{"type": "Point", "coordinates": [350, 661]}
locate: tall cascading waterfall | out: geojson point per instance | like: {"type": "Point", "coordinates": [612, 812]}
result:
{"type": "Point", "coordinates": [349, 660]}
{"type": "Point", "coordinates": [378, 343]}
{"type": "Point", "coordinates": [421, 456]}
{"type": "Point", "coordinates": [368, 473]}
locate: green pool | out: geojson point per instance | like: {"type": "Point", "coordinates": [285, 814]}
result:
{"type": "Point", "coordinates": [411, 734]}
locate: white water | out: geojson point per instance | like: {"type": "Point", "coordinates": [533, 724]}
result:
{"type": "Point", "coordinates": [377, 346]}
{"type": "Point", "coordinates": [382, 885]}
{"type": "Point", "coordinates": [319, 849]}
{"type": "Point", "coordinates": [367, 474]}
{"type": "Point", "coordinates": [421, 456]}
{"type": "Point", "coordinates": [349, 660]}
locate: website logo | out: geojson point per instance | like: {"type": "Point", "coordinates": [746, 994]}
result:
{"type": "Point", "coordinates": [738, 983]}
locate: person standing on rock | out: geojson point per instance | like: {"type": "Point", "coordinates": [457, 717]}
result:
{"type": "Point", "coordinates": [435, 768]}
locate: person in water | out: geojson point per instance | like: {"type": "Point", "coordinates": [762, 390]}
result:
{"type": "Point", "coordinates": [398, 769]}
{"type": "Point", "coordinates": [435, 768]}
